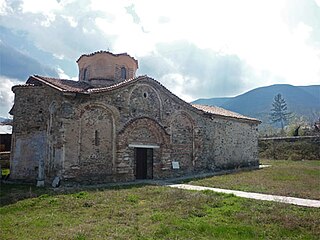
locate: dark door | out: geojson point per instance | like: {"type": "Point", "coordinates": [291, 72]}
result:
{"type": "Point", "coordinates": [144, 162]}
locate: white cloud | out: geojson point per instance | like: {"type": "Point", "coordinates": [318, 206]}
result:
{"type": "Point", "coordinates": [6, 95]}
{"type": "Point", "coordinates": [40, 6]}
{"type": "Point", "coordinates": [255, 31]}
{"type": "Point", "coordinates": [176, 82]}
{"type": "Point", "coordinates": [63, 75]}
{"type": "Point", "coordinates": [4, 9]}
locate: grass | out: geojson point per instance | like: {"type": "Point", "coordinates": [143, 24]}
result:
{"type": "Point", "coordinates": [284, 177]}
{"type": "Point", "coordinates": [154, 212]}
{"type": "Point", "coordinates": [149, 212]}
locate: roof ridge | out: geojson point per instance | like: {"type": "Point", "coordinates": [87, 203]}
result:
{"type": "Point", "coordinates": [108, 52]}
{"type": "Point", "coordinates": [53, 78]}
{"type": "Point", "coordinates": [116, 85]}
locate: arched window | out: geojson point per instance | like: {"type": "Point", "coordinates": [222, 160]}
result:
{"type": "Point", "coordinates": [85, 74]}
{"type": "Point", "coordinates": [96, 138]}
{"type": "Point", "coordinates": [123, 73]}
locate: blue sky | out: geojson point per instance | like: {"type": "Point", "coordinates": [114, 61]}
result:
{"type": "Point", "coordinates": [197, 49]}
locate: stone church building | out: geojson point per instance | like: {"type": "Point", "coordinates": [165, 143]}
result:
{"type": "Point", "coordinates": [112, 126]}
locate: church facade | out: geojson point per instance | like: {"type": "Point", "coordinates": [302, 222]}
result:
{"type": "Point", "coordinates": [112, 126]}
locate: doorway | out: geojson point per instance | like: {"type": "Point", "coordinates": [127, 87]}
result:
{"type": "Point", "coordinates": [144, 163]}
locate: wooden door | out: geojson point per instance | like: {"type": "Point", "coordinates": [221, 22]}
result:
{"type": "Point", "coordinates": [144, 162]}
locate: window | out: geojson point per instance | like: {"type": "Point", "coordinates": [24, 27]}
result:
{"type": "Point", "coordinates": [96, 138]}
{"type": "Point", "coordinates": [85, 74]}
{"type": "Point", "coordinates": [123, 73]}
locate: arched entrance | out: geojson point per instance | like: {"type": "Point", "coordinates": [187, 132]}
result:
{"type": "Point", "coordinates": [144, 142]}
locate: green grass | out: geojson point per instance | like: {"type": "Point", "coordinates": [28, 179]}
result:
{"type": "Point", "coordinates": [284, 177]}
{"type": "Point", "coordinates": [149, 212]}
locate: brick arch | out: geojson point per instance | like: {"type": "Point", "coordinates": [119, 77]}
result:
{"type": "Point", "coordinates": [182, 139]}
{"type": "Point", "coordinates": [184, 114]}
{"type": "Point", "coordinates": [143, 130]}
{"type": "Point", "coordinates": [181, 121]}
{"type": "Point", "coordinates": [147, 133]}
{"type": "Point", "coordinates": [97, 144]}
{"type": "Point", "coordinates": [144, 101]}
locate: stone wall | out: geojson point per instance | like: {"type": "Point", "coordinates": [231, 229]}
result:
{"type": "Point", "coordinates": [29, 138]}
{"type": "Point", "coordinates": [92, 138]}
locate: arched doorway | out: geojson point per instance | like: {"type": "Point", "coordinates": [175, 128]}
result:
{"type": "Point", "coordinates": [144, 142]}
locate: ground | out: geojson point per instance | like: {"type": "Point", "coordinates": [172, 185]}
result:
{"type": "Point", "coordinates": [157, 212]}
{"type": "Point", "coordinates": [283, 177]}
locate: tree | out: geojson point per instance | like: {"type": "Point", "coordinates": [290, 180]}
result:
{"type": "Point", "coordinates": [279, 112]}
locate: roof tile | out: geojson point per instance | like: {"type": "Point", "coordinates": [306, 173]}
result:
{"type": "Point", "coordinates": [222, 112]}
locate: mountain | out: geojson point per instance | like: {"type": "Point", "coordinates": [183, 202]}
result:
{"type": "Point", "coordinates": [314, 90]}
{"type": "Point", "coordinates": [301, 100]}
{"type": "Point", "coordinates": [5, 120]}
{"type": "Point", "coordinates": [2, 119]}
{"type": "Point", "coordinates": [212, 101]}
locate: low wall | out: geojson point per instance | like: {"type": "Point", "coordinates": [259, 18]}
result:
{"type": "Point", "coordinates": [5, 159]}
{"type": "Point", "coordinates": [290, 148]}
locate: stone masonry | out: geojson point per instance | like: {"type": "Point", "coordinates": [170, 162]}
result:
{"type": "Point", "coordinates": [112, 126]}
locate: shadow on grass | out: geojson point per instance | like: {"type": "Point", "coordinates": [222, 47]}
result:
{"type": "Point", "coordinates": [11, 193]}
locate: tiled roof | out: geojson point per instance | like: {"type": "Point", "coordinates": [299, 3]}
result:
{"type": "Point", "coordinates": [77, 86]}
{"type": "Point", "coordinates": [61, 84]}
{"type": "Point", "coordinates": [222, 112]}
{"type": "Point", "coordinates": [115, 86]}
{"type": "Point", "coordinates": [107, 52]}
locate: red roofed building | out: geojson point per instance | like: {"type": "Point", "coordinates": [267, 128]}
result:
{"type": "Point", "coordinates": [113, 126]}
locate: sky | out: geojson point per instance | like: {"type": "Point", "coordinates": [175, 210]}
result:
{"type": "Point", "coordinates": [196, 48]}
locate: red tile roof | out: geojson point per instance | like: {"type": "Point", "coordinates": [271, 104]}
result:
{"type": "Point", "coordinates": [115, 86]}
{"type": "Point", "coordinates": [222, 112]}
{"type": "Point", "coordinates": [61, 84]}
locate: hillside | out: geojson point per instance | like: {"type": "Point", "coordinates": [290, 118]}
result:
{"type": "Point", "coordinates": [212, 101]}
{"type": "Point", "coordinates": [301, 100]}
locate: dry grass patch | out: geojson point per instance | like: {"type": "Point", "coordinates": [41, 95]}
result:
{"type": "Point", "coordinates": [284, 177]}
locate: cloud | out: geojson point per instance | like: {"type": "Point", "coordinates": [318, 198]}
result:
{"type": "Point", "coordinates": [131, 11]}
{"type": "Point", "coordinates": [306, 12]}
{"type": "Point", "coordinates": [6, 95]}
{"type": "Point", "coordinates": [65, 30]}
{"type": "Point", "coordinates": [15, 64]}
{"type": "Point", "coordinates": [198, 49]}
{"type": "Point", "coordinates": [191, 72]}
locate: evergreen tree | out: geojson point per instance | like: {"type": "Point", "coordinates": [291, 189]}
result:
{"type": "Point", "coordinates": [279, 111]}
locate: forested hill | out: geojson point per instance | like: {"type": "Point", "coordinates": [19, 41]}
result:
{"type": "Point", "coordinates": [301, 100]}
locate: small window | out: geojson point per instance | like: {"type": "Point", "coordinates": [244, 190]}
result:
{"type": "Point", "coordinates": [85, 74]}
{"type": "Point", "coordinates": [96, 138]}
{"type": "Point", "coordinates": [123, 73]}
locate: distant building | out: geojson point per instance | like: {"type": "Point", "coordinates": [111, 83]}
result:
{"type": "Point", "coordinates": [5, 137]}
{"type": "Point", "coordinates": [113, 126]}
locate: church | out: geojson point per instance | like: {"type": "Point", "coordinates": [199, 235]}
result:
{"type": "Point", "coordinates": [114, 126]}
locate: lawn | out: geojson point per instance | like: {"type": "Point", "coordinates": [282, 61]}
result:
{"type": "Point", "coordinates": [148, 212]}
{"type": "Point", "coordinates": [284, 177]}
